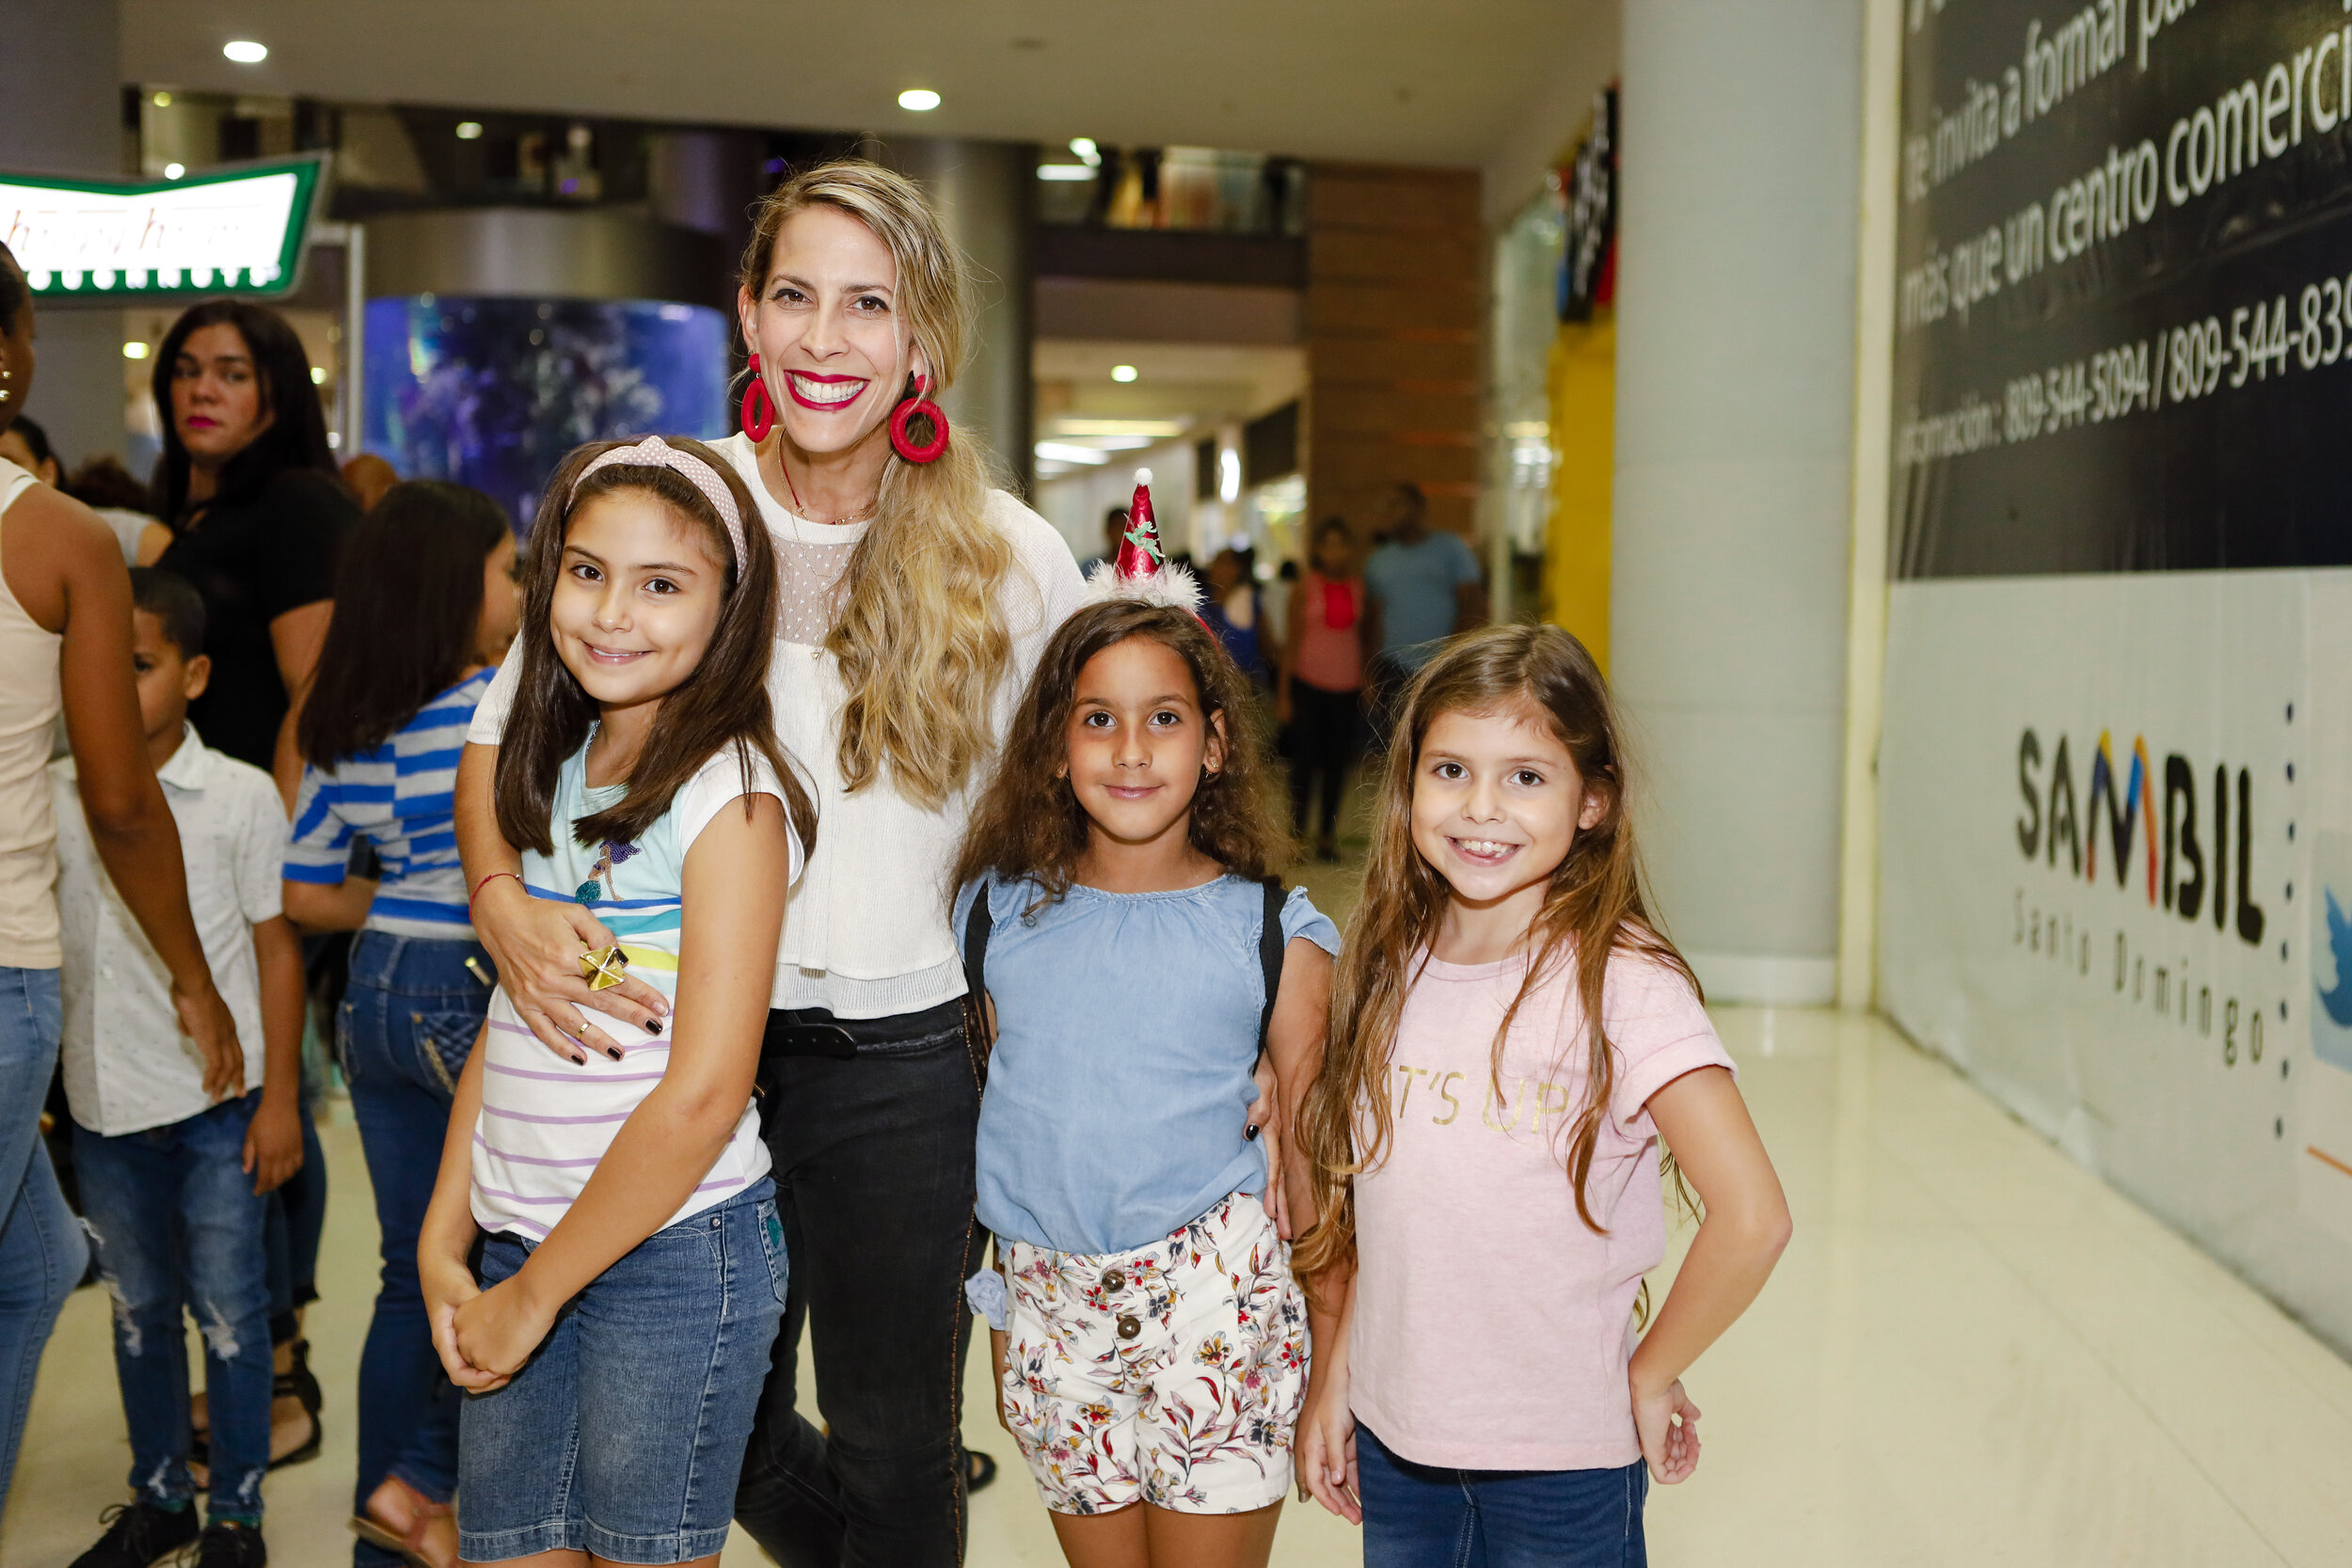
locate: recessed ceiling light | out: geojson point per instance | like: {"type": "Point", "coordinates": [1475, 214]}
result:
{"type": "Point", "coordinates": [1064, 172]}
{"type": "Point", "coordinates": [161, 100]}
{"type": "Point", "coordinates": [1062, 451]}
{"type": "Point", "coordinates": [1122, 373]}
{"type": "Point", "coordinates": [173, 171]}
{"type": "Point", "coordinates": [135, 350]}
{"type": "Point", "coordinates": [246, 52]}
{"type": "Point", "coordinates": [470, 130]}
{"type": "Point", "coordinates": [1079, 425]}
{"type": "Point", "coordinates": [921, 100]}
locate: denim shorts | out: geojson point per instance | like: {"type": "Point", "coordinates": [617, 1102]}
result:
{"type": "Point", "coordinates": [622, 1433]}
{"type": "Point", "coordinates": [1431, 1516]}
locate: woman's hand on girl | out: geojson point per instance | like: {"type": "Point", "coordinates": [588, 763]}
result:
{"type": "Point", "coordinates": [1670, 1444]}
{"type": "Point", "coordinates": [538, 944]}
{"type": "Point", "coordinates": [1325, 1450]}
{"type": "Point", "coordinates": [1263, 1122]}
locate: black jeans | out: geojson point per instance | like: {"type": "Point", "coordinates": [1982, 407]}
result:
{"type": "Point", "coordinates": [874, 1180]}
{"type": "Point", "coordinates": [1324, 727]}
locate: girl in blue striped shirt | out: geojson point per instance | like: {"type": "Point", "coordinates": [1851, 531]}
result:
{"type": "Point", "coordinates": [424, 608]}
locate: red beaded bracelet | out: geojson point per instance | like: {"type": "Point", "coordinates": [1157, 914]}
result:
{"type": "Point", "coordinates": [486, 882]}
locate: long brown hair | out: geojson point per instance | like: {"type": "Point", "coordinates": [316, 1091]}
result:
{"type": "Point", "coordinates": [1593, 911]}
{"type": "Point", "coordinates": [724, 702]}
{"type": "Point", "coordinates": [921, 639]}
{"type": "Point", "coordinates": [1029, 823]}
{"type": "Point", "coordinates": [407, 609]}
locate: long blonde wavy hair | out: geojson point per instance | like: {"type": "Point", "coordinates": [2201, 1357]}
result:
{"type": "Point", "coordinates": [1593, 909]}
{"type": "Point", "coordinates": [921, 639]}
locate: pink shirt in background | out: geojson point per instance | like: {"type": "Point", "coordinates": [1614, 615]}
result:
{"type": "Point", "coordinates": [1492, 1326]}
{"type": "Point", "coordinates": [1331, 651]}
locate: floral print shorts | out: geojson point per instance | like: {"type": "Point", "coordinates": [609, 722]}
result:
{"type": "Point", "coordinates": [1171, 1374]}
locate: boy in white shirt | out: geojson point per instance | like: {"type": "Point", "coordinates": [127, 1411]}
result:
{"type": "Point", "coordinates": [174, 1149]}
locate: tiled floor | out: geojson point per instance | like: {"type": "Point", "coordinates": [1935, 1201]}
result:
{"type": "Point", "coordinates": [1973, 1354]}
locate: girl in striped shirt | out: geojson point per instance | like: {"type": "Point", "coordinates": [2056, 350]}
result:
{"type": "Point", "coordinates": [424, 608]}
{"type": "Point", "coordinates": [617, 1333]}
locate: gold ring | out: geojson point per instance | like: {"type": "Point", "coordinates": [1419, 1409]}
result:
{"type": "Point", "coordinates": [603, 967]}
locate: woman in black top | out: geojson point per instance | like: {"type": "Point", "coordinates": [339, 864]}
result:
{"type": "Point", "coordinates": [258, 516]}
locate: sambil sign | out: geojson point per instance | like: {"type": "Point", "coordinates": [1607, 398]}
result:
{"type": "Point", "coordinates": [2116, 776]}
{"type": "Point", "coordinates": [237, 230]}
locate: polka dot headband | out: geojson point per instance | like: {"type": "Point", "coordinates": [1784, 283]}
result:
{"type": "Point", "coordinates": [655, 452]}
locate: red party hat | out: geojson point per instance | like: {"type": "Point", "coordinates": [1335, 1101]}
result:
{"type": "Point", "coordinates": [1141, 570]}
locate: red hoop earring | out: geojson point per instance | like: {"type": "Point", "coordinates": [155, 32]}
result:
{"type": "Point", "coordinates": [912, 408]}
{"type": "Point", "coordinates": [759, 411]}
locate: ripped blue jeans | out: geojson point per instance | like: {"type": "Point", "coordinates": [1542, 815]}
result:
{"type": "Point", "coordinates": [177, 1228]}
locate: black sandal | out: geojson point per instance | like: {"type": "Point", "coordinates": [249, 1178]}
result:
{"type": "Point", "coordinates": [298, 1384]}
{"type": "Point", "coordinates": [978, 1470]}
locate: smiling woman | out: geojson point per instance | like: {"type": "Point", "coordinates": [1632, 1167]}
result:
{"type": "Point", "coordinates": [914, 599]}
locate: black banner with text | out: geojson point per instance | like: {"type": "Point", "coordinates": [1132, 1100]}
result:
{"type": "Point", "coordinates": [2123, 332]}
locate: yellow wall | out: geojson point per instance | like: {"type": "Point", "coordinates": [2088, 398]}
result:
{"type": "Point", "coordinates": [1584, 387]}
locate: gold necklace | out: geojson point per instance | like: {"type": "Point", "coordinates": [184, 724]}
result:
{"type": "Point", "coordinates": [799, 510]}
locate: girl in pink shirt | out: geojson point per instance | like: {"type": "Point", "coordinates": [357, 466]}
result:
{"type": "Point", "coordinates": [1487, 1161]}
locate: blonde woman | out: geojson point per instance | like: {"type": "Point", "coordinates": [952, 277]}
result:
{"type": "Point", "coordinates": [915, 600]}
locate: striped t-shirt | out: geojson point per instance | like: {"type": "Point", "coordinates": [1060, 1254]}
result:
{"type": "Point", "coordinates": [399, 797]}
{"type": "Point", "coordinates": [546, 1122]}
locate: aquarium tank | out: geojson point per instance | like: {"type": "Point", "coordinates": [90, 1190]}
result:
{"type": "Point", "coordinates": [493, 392]}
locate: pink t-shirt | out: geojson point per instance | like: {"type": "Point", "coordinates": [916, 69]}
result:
{"type": "Point", "coordinates": [1492, 1326]}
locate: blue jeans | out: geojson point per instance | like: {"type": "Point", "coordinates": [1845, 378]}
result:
{"type": "Point", "coordinates": [42, 1251]}
{"type": "Point", "coordinates": [1427, 1516]}
{"type": "Point", "coordinates": [297, 1220]}
{"type": "Point", "coordinates": [179, 1227]}
{"type": "Point", "coordinates": [407, 1024]}
{"type": "Point", "coordinates": [622, 1433]}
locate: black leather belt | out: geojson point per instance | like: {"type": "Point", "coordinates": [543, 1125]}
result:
{"type": "Point", "coordinates": [813, 1032]}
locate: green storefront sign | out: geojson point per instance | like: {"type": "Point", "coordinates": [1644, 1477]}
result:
{"type": "Point", "coordinates": [238, 231]}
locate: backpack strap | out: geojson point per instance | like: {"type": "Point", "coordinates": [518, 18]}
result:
{"type": "Point", "coordinates": [1270, 954]}
{"type": "Point", "coordinates": [976, 928]}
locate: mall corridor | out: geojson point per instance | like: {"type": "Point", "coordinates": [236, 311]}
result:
{"type": "Point", "coordinates": [1379, 546]}
{"type": "Point", "coordinates": [1972, 1354]}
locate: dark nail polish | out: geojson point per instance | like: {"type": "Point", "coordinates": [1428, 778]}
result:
{"type": "Point", "coordinates": [614, 1051]}
{"type": "Point", "coordinates": [653, 1027]}
{"type": "Point", "coordinates": [1250, 1131]}
{"type": "Point", "coordinates": [580, 1061]}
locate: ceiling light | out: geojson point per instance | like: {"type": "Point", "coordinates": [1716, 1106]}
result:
{"type": "Point", "coordinates": [1229, 476]}
{"type": "Point", "coordinates": [1064, 172]}
{"type": "Point", "coordinates": [246, 52]}
{"type": "Point", "coordinates": [318, 375]}
{"type": "Point", "coordinates": [470, 130]}
{"type": "Point", "coordinates": [1087, 152]}
{"type": "Point", "coordinates": [135, 350]}
{"type": "Point", "coordinates": [161, 100]}
{"type": "Point", "coordinates": [1122, 373]}
{"type": "Point", "coordinates": [1160, 430]}
{"type": "Point", "coordinates": [921, 100]}
{"type": "Point", "coordinates": [173, 171]}
{"type": "Point", "coordinates": [1062, 451]}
